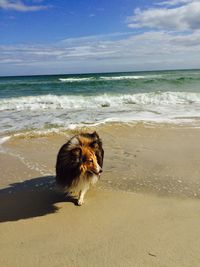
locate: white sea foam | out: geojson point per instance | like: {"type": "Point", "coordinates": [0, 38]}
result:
{"type": "Point", "coordinates": [4, 139]}
{"type": "Point", "coordinates": [109, 78]}
{"type": "Point", "coordinates": [71, 80]}
{"type": "Point", "coordinates": [116, 78]}
{"type": "Point", "coordinates": [53, 102]}
{"type": "Point", "coordinates": [50, 112]}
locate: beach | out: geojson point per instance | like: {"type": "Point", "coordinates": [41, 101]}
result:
{"type": "Point", "coordinates": [144, 211]}
{"type": "Point", "coordinates": [99, 133]}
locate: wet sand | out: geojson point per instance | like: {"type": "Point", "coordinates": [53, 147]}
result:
{"type": "Point", "coordinates": [145, 210]}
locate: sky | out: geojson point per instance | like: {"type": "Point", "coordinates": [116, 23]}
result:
{"type": "Point", "coordinates": [84, 36]}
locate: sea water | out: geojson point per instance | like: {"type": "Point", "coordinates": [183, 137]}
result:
{"type": "Point", "coordinates": [69, 101]}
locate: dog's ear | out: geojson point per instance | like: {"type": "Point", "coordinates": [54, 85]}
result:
{"type": "Point", "coordinates": [74, 141]}
{"type": "Point", "coordinates": [95, 134]}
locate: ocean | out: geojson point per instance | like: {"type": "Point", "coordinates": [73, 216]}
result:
{"type": "Point", "coordinates": [57, 102]}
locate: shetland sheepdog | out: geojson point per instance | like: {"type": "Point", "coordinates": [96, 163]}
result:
{"type": "Point", "coordinates": [79, 164]}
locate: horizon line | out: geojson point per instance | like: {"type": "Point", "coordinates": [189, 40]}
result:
{"type": "Point", "coordinates": [106, 72]}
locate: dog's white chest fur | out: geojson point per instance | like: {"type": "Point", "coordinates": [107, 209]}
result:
{"type": "Point", "coordinates": [82, 186]}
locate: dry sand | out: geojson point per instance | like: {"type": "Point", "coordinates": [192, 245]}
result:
{"type": "Point", "coordinates": [145, 211]}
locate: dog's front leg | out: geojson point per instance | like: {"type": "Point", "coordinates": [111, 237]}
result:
{"type": "Point", "coordinates": [82, 194]}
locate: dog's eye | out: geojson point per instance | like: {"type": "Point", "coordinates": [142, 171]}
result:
{"type": "Point", "coordinates": [90, 160]}
{"type": "Point", "coordinates": [84, 159]}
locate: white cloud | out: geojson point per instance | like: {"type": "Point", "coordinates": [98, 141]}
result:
{"type": "Point", "coordinates": [175, 15]}
{"type": "Point", "coordinates": [94, 38]}
{"type": "Point", "coordinates": [18, 5]}
{"type": "Point", "coordinates": [175, 2]}
{"type": "Point", "coordinates": [146, 51]}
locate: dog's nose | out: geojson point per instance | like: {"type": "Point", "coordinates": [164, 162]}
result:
{"type": "Point", "coordinates": [100, 171]}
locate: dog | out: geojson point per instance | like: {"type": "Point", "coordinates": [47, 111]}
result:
{"type": "Point", "coordinates": [79, 164]}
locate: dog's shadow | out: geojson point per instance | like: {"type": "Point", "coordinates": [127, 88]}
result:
{"type": "Point", "coordinates": [31, 198]}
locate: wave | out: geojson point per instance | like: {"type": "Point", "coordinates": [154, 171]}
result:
{"type": "Point", "coordinates": [155, 77]}
{"type": "Point", "coordinates": [103, 101]}
{"type": "Point", "coordinates": [71, 80]}
{"type": "Point", "coordinates": [109, 78]}
{"type": "Point", "coordinates": [116, 78]}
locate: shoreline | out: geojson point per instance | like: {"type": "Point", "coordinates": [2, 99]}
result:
{"type": "Point", "coordinates": [144, 210]}
{"type": "Point", "coordinates": [146, 158]}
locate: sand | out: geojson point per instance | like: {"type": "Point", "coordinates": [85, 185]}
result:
{"type": "Point", "coordinates": [144, 211]}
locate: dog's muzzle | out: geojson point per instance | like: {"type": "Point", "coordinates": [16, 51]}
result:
{"type": "Point", "coordinates": [97, 172]}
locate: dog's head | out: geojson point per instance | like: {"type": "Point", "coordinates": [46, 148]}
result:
{"type": "Point", "coordinates": [87, 160]}
{"type": "Point", "coordinates": [94, 142]}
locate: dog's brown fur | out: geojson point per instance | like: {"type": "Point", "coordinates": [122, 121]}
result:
{"type": "Point", "coordinates": [79, 163]}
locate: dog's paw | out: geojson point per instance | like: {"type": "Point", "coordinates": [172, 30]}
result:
{"type": "Point", "coordinates": [80, 202]}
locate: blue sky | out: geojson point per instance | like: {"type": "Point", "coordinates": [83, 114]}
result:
{"type": "Point", "coordinates": [80, 36]}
